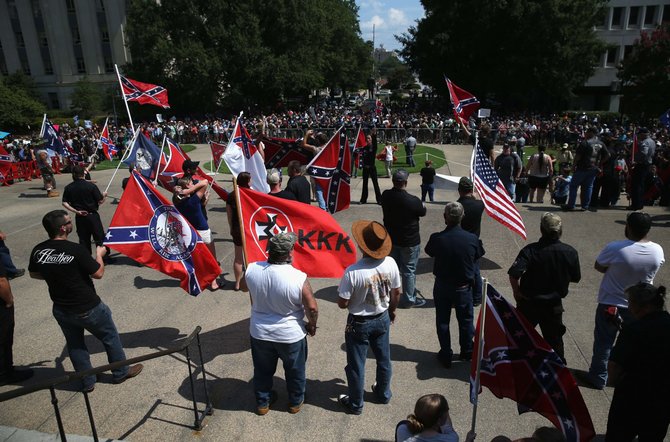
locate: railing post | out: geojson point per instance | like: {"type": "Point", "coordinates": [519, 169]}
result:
{"type": "Point", "coordinates": [196, 425]}
{"type": "Point", "coordinates": [208, 404]}
{"type": "Point", "coordinates": [90, 416]}
{"type": "Point", "coordinates": [59, 421]}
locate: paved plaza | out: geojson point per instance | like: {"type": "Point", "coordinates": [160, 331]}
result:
{"type": "Point", "coordinates": [152, 312]}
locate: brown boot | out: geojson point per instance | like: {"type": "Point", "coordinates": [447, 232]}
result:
{"type": "Point", "coordinates": [52, 193]}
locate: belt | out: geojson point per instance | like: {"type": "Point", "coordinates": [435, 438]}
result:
{"type": "Point", "coordinates": [363, 318]}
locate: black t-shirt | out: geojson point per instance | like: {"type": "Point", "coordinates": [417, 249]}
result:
{"type": "Point", "coordinates": [3, 270]}
{"type": "Point", "coordinates": [82, 195]}
{"type": "Point", "coordinates": [487, 146]}
{"type": "Point", "coordinates": [401, 216]}
{"type": "Point", "coordinates": [300, 188]}
{"type": "Point", "coordinates": [472, 214]}
{"type": "Point", "coordinates": [427, 175]}
{"type": "Point", "coordinates": [67, 268]}
{"type": "Point", "coordinates": [285, 194]}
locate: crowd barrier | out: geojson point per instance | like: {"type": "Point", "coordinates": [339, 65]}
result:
{"type": "Point", "coordinates": [27, 170]}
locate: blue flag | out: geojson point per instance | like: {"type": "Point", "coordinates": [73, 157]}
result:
{"type": "Point", "coordinates": [54, 141]}
{"type": "Point", "coordinates": [145, 155]}
{"type": "Point", "coordinates": [665, 118]}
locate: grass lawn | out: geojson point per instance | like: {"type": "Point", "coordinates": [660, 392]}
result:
{"type": "Point", "coordinates": [106, 164]}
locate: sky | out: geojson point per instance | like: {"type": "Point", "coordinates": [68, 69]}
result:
{"type": "Point", "coordinates": [390, 17]}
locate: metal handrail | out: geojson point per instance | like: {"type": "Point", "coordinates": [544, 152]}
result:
{"type": "Point", "coordinates": [51, 383]}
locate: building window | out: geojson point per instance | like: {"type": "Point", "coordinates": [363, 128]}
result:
{"type": "Point", "coordinates": [650, 16]}
{"type": "Point", "coordinates": [3, 63]}
{"type": "Point", "coordinates": [19, 40]}
{"type": "Point", "coordinates": [76, 38]}
{"type": "Point", "coordinates": [53, 100]}
{"type": "Point", "coordinates": [627, 51]}
{"type": "Point", "coordinates": [70, 5]}
{"type": "Point", "coordinates": [81, 66]}
{"type": "Point", "coordinates": [104, 34]}
{"type": "Point", "coordinates": [109, 64]}
{"type": "Point", "coordinates": [666, 14]}
{"type": "Point", "coordinates": [25, 67]}
{"type": "Point", "coordinates": [100, 5]}
{"type": "Point", "coordinates": [634, 17]}
{"type": "Point", "coordinates": [42, 39]}
{"type": "Point", "coordinates": [617, 17]}
{"type": "Point", "coordinates": [610, 58]}
{"type": "Point", "coordinates": [48, 68]}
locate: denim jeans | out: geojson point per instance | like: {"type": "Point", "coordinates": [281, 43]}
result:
{"type": "Point", "coordinates": [477, 288]}
{"type": "Point", "coordinates": [460, 299]}
{"type": "Point", "coordinates": [585, 179]}
{"type": "Point", "coordinates": [407, 259]}
{"type": "Point", "coordinates": [265, 355]}
{"type": "Point", "coordinates": [319, 197]}
{"type": "Point", "coordinates": [604, 335]}
{"type": "Point", "coordinates": [510, 187]}
{"type": "Point", "coordinates": [98, 322]}
{"type": "Point", "coordinates": [6, 259]}
{"type": "Point", "coordinates": [358, 336]}
{"type": "Point", "coordinates": [427, 189]}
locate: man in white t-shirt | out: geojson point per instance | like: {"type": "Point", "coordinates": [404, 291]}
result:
{"type": "Point", "coordinates": [624, 263]}
{"type": "Point", "coordinates": [281, 298]}
{"type": "Point", "coordinates": [370, 290]}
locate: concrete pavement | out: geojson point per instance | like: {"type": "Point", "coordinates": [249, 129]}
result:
{"type": "Point", "coordinates": [151, 312]}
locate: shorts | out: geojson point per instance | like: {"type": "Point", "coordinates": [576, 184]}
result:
{"type": "Point", "coordinates": [538, 182]}
{"type": "Point", "coordinates": [206, 235]}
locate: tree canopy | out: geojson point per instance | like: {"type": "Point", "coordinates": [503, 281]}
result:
{"type": "Point", "coordinates": [213, 53]}
{"type": "Point", "coordinates": [645, 74]}
{"type": "Point", "coordinates": [18, 105]}
{"type": "Point", "coordinates": [86, 98]}
{"type": "Point", "coordinates": [526, 53]}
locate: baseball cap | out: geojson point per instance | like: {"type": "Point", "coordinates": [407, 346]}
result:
{"type": "Point", "coordinates": [281, 244]}
{"type": "Point", "coordinates": [274, 176]}
{"type": "Point", "coordinates": [551, 222]}
{"type": "Point", "coordinates": [400, 176]}
{"type": "Point", "coordinates": [465, 183]}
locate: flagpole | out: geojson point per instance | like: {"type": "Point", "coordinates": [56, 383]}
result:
{"type": "Point", "coordinates": [118, 75]}
{"type": "Point", "coordinates": [480, 351]}
{"type": "Point", "coordinates": [44, 121]}
{"type": "Point", "coordinates": [236, 189]}
{"type": "Point", "coordinates": [158, 165]}
{"type": "Point", "coordinates": [125, 155]}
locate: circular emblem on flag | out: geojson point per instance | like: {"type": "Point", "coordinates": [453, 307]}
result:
{"type": "Point", "coordinates": [265, 223]}
{"type": "Point", "coordinates": [170, 234]}
{"type": "Point", "coordinates": [143, 159]}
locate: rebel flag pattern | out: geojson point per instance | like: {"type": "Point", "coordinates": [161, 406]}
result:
{"type": "Point", "coordinates": [217, 153]}
{"type": "Point", "coordinates": [323, 249]}
{"type": "Point", "coordinates": [517, 363]}
{"type": "Point", "coordinates": [358, 146]}
{"type": "Point", "coordinates": [280, 151]}
{"type": "Point", "coordinates": [150, 230]}
{"type": "Point", "coordinates": [464, 103]}
{"type": "Point", "coordinates": [108, 148]}
{"type": "Point", "coordinates": [331, 168]}
{"type": "Point", "coordinates": [144, 93]}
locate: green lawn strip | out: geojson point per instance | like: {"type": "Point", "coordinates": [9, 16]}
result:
{"type": "Point", "coordinates": [106, 164]}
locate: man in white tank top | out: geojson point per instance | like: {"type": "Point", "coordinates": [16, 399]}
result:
{"type": "Point", "coordinates": [281, 298]}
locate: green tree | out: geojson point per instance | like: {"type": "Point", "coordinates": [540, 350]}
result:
{"type": "Point", "coordinates": [527, 54]}
{"type": "Point", "coordinates": [20, 81]}
{"type": "Point", "coordinates": [86, 98]}
{"type": "Point", "coordinates": [645, 74]}
{"type": "Point", "coordinates": [18, 109]}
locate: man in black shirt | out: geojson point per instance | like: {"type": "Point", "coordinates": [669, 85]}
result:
{"type": "Point", "coordinates": [83, 198]}
{"type": "Point", "coordinates": [472, 222]}
{"type": "Point", "coordinates": [67, 269]}
{"type": "Point", "coordinates": [540, 277]}
{"type": "Point", "coordinates": [368, 154]}
{"type": "Point", "coordinates": [427, 179]}
{"type": "Point", "coordinates": [274, 181]}
{"type": "Point", "coordinates": [297, 183]}
{"type": "Point", "coordinates": [401, 218]}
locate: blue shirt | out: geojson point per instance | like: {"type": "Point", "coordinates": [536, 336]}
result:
{"type": "Point", "coordinates": [455, 251]}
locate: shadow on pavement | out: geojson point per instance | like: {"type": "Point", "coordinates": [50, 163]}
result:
{"type": "Point", "coordinates": [143, 283]}
{"type": "Point", "coordinates": [487, 264]}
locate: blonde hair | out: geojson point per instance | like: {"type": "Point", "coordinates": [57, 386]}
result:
{"type": "Point", "coordinates": [428, 411]}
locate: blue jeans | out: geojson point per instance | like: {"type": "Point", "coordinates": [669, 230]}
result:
{"type": "Point", "coordinates": [319, 197]}
{"type": "Point", "coordinates": [510, 187]}
{"type": "Point", "coordinates": [427, 189]}
{"type": "Point", "coordinates": [585, 179]}
{"type": "Point", "coordinates": [358, 336]}
{"type": "Point", "coordinates": [407, 259]}
{"type": "Point", "coordinates": [604, 335]}
{"type": "Point", "coordinates": [265, 355]}
{"type": "Point", "coordinates": [460, 299]}
{"type": "Point", "coordinates": [477, 288]}
{"type": "Point", "coordinates": [6, 259]}
{"type": "Point", "coordinates": [98, 322]}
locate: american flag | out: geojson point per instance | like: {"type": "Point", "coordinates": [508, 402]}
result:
{"type": "Point", "coordinates": [517, 363]}
{"type": "Point", "coordinates": [144, 93]}
{"type": "Point", "coordinates": [496, 200]}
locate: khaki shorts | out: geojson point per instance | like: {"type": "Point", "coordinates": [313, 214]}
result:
{"type": "Point", "coordinates": [206, 235]}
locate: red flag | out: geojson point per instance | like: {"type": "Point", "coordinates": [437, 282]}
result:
{"type": "Point", "coordinates": [331, 168]}
{"type": "Point", "coordinates": [633, 150]}
{"type": "Point", "coordinates": [150, 230]}
{"type": "Point", "coordinates": [464, 103]}
{"type": "Point", "coordinates": [108, 147]}
{"type": "Point", "coordinates": [497, 201]}
{"type": "Point", "coordinates": [358, 146]}
{"type": "Point", "coordinates": [217, 152]}
{"type": "Point", "coordinates": [279, 151]}
{"type": "Point", "coordinates": [517, 363]}
{"type": "Point", "coordinates": [144, 93]}
{"type": "Point", "coordinates": [323, 249]}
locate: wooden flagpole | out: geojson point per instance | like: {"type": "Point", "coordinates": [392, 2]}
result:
{"type": "Point", "coordinates": [480, 351]}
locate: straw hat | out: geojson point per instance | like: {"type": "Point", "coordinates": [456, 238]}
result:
{"type": "Point", "coordinates": [372, 238]}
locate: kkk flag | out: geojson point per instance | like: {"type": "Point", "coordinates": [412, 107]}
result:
{"type": "Point", "coordinates": [54, 141]}
{"type": "Point", "coordinates": [497, 201]}
{"type": "Point", "coordinates": [331, 168]}
{"type": "Point", "coordinates": [150, 230]}
{"type": "Point", "coordinates": [517, 363]}
{"type": "Point", "coordinates": [464, 103]}
{"type": "Point", "coordinates": [241, 155]}
{"type": "Point", "coordinates": [217, 153]}
{"type": "Point", "coordinates": [323, 249]}
{"type": "Point", "coordinates": [279, 151]}
{"type": "Point", "coordinates": [145, 155]}
{"type": "Point", "coordinates": [144, 93]}
{"type": "Point", "coordinates": [108, 147]}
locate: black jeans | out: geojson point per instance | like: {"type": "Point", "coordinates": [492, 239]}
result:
{"type": "Point", "coordinates": [6, 339]}
{"type": "Point", "coordinates": [370, 172]}
{"type": "Point", "coordinates": [549, 315]}
{"type": "Point", "coordinates": [90, 226]}
{"type": "Point", "coordinates": [637, 183]}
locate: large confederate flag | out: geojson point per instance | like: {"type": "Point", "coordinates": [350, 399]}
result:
{"type": "Point", "coordinates": [279, 151]}
{"type": "Point", "coordinates": [150, 230]}
{"type": "Point", "coordinates": [323, 249]}
{"type": "Point", "coordinates": [331, 168]}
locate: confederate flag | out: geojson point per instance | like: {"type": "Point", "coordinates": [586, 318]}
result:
{"type": "Point", "coordinates": [108, 147]}
{"type": "Point", "coordinates": [279, 151]}
{"type": "Point", "coordinates": [358, 146]}
{"type": "Point", "coordinates": [331, 168]}
{"type": "Point", "coordinates": [464, 103]}
{"type": "Point", "coordinates": [217, 152]}
{"type": "Point", "coordinates": [242, 155]}
{"type": "Point", "coordinates": [517, 363]}
{"type": "Point", "coordinates": [144, 93]}
{"type": "Point", "coordinates": [150, 230]}
{"type": "Point", "coordinates": [323, 249]}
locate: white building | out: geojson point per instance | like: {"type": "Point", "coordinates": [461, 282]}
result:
{"type": "Point", "coordinates": [58, 42]}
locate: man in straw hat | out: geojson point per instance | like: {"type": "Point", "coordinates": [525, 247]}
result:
{"type": "Point", "coordinates": [540, 276]}
{"type": "Point", "coordinates": [370, 290]}
{"type": "Point", "coordinates": [456, 252]}
{"type": "Point", "coordinates": [281, 298]}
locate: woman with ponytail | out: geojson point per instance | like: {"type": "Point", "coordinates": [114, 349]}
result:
{"type": "Point", "coordinates": [429, 422]}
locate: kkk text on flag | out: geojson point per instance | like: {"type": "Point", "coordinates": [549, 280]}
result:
{"type": "Point", "coordinates": [323, 249]}
{"type": "Point", "coordinates": [496, 200]}
{"type": "Point", "coordinates": [145, 155]}
{"type": "Point", "coordinates": [517, 363]}
{"type": "Point", "coordinates": [331, 168]}
{"type": "Point", "coordinates": [144, 93]}
{"type": "Point", "coordinates": [279, 151]}
{"type": "Point", "coordinates": [241, 155]}
{"type": "Point", "coordinates": [464, 103]}
{"type": "Point", "coordinates": [150, 230]}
